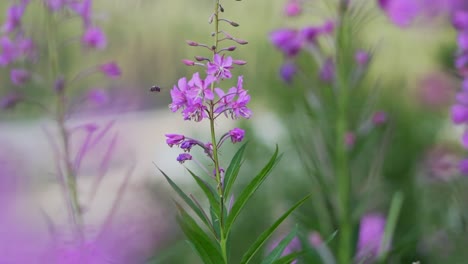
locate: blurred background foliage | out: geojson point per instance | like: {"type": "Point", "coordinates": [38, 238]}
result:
{"type": "Point", "coordinates": [147, 39]}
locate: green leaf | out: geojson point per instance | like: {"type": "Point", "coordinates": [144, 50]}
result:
{"type": "Point", "coordinates": [278, 250]}
{"type": "Point", "coordinates": [249, 190]}
{"type": "Point", "coordinates": [288, 258]}
{"type": "Point", "coordinates": [209, 192]}
{"type": "Point", "coordinates": [207, 249]}
{"type": "Point", "coordinates": [267, 233]}
{"type": "Point", "coordinates": [186, 199]}
{"type": "Point", "coordinates": [233, 170]}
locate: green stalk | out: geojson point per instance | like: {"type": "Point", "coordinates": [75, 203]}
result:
{"type": "Point", "coordinates": [70, 177]}
{"type": "Point", "coordinates": [223, 237]}
{"type": "Point", "coordinates": [342, 168]}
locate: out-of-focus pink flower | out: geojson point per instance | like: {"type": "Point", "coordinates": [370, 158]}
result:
{"type": "Point", "coordinates": [371, 232]}
{"type": "Point", "coordinates": [111, 69]}
{"type": "Point", "coordinates": [379, 118]}
{"type": "Point", "coordinates": [98, 96]}
{"type": "Point", "coordinates": [350, 139]}
{"type": "Point", "coordinates": [435, 91]}
{"type": "Point", "coordinates": [19, 76]}
{"type": "Point", "coordinates": [442, 163]}
{"type": "Point", "coordinates": [401, 12]}
{"type": "Point", "coordinates": [292, 8]}
{"type": "Point", "coordinates": [93, 37]}
{"type": "Point", "coordinates": [327, 72]}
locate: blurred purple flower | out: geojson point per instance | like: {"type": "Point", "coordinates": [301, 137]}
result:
{"type": "Point", "coordinates": [327, 72]}
{"type": "Point", "coordinates": [310, 33]}
{"type": "Point", "coordinates": [83, 9]}
{"type": "Point", "coordinates": [110, 69]}
{"type": "Point", "coordinates": [350, 139]}
{"type": "Point", "coordinates": [59, 84]}
{"type": "Point", "coordinates": [371, 232]}
{"type": "Point", "coordinates": [98, 96]}
{"type": "Point", "coordinates": [292, 8]}
{"type": "Point", "coordinates": [315, 239]}
{"type": "Point", "coordinates": [435, 91]}
{"type": "Point", "coordinates": [463, 166]}
{"type": "Point", "coordinates": [328, 27]}
{"type": "Point", "coordinates": [13, 17]}
{"type": "Point", "coordinates": [401, 12]}
{"type": "Point", "coordinates": [11, 100]}
{"type": "Point", "coordinates": [237, 135]}
{"type": "Point", "coordinates": [379, 118]}
{"type": "Point", "coordinates": [19, 76]}
{"type": "Point", "coordinates": [459, 114]}
{"type": "Point", "coordinates": [463, 40]}
{"type": "Point", "coordinates": [460, 19]}
{"type": "Point", "coordinates": [93, 37]}
{"type": "Point", "coordinates": [287, 40]}
{"type": "Point", "coordinates": [8, 54]}
{"type": "Point", "coordinates": [442, 163]}
{"type": "Point", "coordinates": [287, 72]}
{"type": "Point", "coordinates": [361, 57]}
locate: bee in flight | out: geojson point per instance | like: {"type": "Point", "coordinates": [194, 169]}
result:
{"type": "Point", "coordinates": [155, 88]}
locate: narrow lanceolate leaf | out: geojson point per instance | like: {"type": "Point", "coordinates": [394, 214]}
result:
{"type": "Point", "coordinates": [249, 190]}
{"type": "Point", "coordinates": [233, 170]}
{"type": "Point", "coordinates": [278, 250]}
{"type": "Point", "coordinates": [206, 248]}
{"type": "Point", "coordinates": [187, 199]}
{"type": "Point", "coordinates": [288, 258]}
{"type": "Point", "coordinates": [209, 192]}
{"type": "Point", "coordinates": [267, 233]}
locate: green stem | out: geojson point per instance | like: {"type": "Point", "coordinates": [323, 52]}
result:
{"type": "Point", "coordinates": [342, 168]}
{"type": "Point", "coordinates": [70, 177]}
{"type": "Point", "coordinates": [220, 189]}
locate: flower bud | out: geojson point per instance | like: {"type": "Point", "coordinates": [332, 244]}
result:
{"type": "Point", "coordinates": [241, 41]}
{"type": "Point", "coordinates": [192, 43]}
{"type": "Point", "coordinates": [188, 62]}
{"type": "Point", "coordinates": [239, 62]}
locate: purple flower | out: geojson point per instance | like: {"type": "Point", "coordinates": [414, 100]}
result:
{"type": "Point", "coordinates": [463, 166]}
{"type": "Point", "coordinates": [174, 139]}
{"type": "Point", "coordinates": [459, 114]}
{"type": "Point", "coordinates": [287, 72]}
{"type": "Point", "coordinates": [371, 231]}
{"type": "Point", "coordinates": [328, 27]}
{"type": "Point", "coordinates": [200, 89]}
{"type": "Point", "coordinates": [98, 96]}
{"type": "Point", "coordinates": [83, 9]}
{"type": "Point", "coordinates": [225, 100]}
{"type": "Point", "coordinates": [13, 17]}
{"type": "Point", "coordinates": [463, 40]}
{"type": "Point", "coordinates": [464, 139]}
{"type": "Point", "coordinates": [59, 84]}
{"type": "Point", "coordinates": [287, 40]}
{"type": "Point", "coordinates": [220, 67]}
{"type": "Point", "coordinates": [239, 107]}
{"type": "Point", "coordinates": [19, 76]}
{"type": "Point", "coordinates": [179, 95]}
{"type": "Point", "coordinates": [361, 57]}
{"type": "Point", "coordinates": [8, 54]}
{"type": "Point", "coordinates": [188, 144]}
{"type": "Point", "coordinates": [10, 101]}
{"type": "Point", "coordinates": [327, 72]}
{"type": "Point", "coordinates": [400, 12]}
{"type": "Point", "coordinates": [292, 8]}
{"type": "Point", "coordinates": [315, 239]}
{"type": "Point", "coordinates": [110, 69]}
{"type": "Point", "coordinates": [195, 111]}
{"type": "Point", "coordinates": [310, 33]}
{"type": "Point", "coordinates": [379, 118]}
{"type": "Point", "coordinates": [94, 38]}
{"type": "Point", "coordinates": [460, 19]}
{"type": "Point", "coordinates": [237, 135]}
{"type": "Point", "coordinates": [184, 157]}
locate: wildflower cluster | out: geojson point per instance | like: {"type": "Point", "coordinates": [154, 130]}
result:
{"type": "Point", "coordinates": [200, 97]}
{"type": "Point", "coordinates": [460, 108]}
{"type": "Point", "coordinates": [17, 48]}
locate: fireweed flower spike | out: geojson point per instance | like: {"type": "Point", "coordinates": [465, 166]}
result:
{"type": "Point", "coordinates": [202, 97]}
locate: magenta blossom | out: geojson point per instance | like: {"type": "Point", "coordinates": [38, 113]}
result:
{"type": "Point", "coordinates": [8, 51]}
{"type": "Point", "coordinates": [94, 38]}
{"type": "Point", "coordinates": [179, 95]}
{"type": "Point", "coordinates": [327, 72]}
{"type": "Point", "coordinates": [237, 135]}
{"type": "Point", "coordinates": [379, 118]}
{"type": "Point", "coordinates": [83, 9]}
{"type": "Point", "coordinates": [287, 72]}
{"type": "Point", "coordinates": [401, 12]}
{"type": "Point", "coordinates": [174, 139]}
{"type": "Point", "coordinates": [371, 232]}
{"type": "Point", "coordinates": [55, 5]}
{"type": "Point", "coordinates": [19, 76]}
{"type": "Point", "coordinates": [361, 57]}
{"type": "Point", "coordinates": [463, 166]}
{"type": "Point", "coordinates": [184, 157]}
{"type": "Point", "coordinates": [220, 67]}
{"type": "Point", "coordinates": [200, 90]}
{"type": "Point", "coordinates": [13, 18]}
{"type": "Point", "coordinates": [287, 40]}
{"type": "Point", "coordinates": [110, 69]}
{"type": "Point", "coordinates": [292, 8]}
